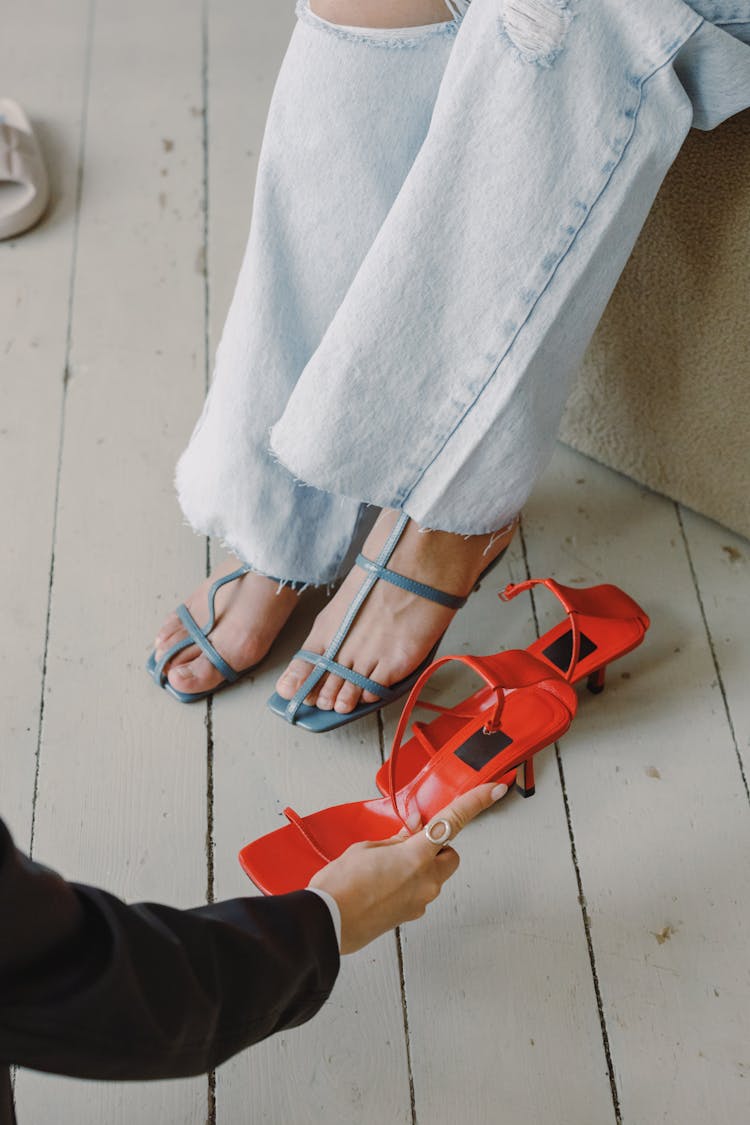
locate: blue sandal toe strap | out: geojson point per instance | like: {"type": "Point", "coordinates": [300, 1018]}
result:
{"type": "Point", "coordinates": [322, 664]}
{"type": "Point", "coordinates": [158, 672]}
{"type": "Point", "coordinates": [199, 638]}
{"type": "Point", "coordinates": [158, 669]}
{"type": "Point", "coordinates": [349, 674]}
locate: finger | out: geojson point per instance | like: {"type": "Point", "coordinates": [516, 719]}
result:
{"type": "Point", "coordinates": [413, 824]}
{"type": "Point", "coordinates": [457, 814]}
{"type": "Point", "coordinates": [446, 864]}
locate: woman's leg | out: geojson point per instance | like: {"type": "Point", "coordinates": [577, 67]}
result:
{"type": "Point", "coordinates": [438, 387]}
{"type": "Point", "coordinates": [553, 130]}
{"type": "Point", "coordinates": [348, 116]}
{"type": "Point", "coordinates": [383, 13]}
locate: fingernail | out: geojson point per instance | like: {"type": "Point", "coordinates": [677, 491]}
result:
{"type": "Point", "coordinates": [498, 792]}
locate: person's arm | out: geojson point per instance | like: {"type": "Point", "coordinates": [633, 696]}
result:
{"type": "Point", "coordinates": [94, 988]}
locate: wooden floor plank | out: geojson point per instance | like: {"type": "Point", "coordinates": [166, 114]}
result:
{"type": "Point", "coordinates": [122, 787]}
{"type": "Point", "coordinates": [501, 1004]}
{"type": "Point", "coordinates": [349, 1064]}
{"type": "Point", "coordinates": [662, 846]}
{"type": "Point", "coordinates": [34, 295]}
{"type": "Point", "coordinates": [721, 563]}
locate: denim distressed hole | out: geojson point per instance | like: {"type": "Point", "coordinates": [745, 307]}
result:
{"type": "Point", "coordinates": [536, 29]}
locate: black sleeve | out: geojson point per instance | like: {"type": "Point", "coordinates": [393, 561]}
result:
{"type": "Point", "coordinates": [94, 988]}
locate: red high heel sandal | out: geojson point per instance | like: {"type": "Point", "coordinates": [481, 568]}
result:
{"type": "Point", "coordinates": [492, 736]}
{"type": "Point", "coordinates": [602, 624]}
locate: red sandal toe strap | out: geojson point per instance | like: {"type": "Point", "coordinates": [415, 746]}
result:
{"type": "Point", "coordinates": [297, 821]}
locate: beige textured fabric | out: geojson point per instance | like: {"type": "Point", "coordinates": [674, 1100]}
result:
{"type": "Point", "coordinates": [664, 392]}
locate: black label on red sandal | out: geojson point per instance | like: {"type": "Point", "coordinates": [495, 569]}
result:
{"type": "Point", "coordinates": [561, 650]}
{"type": "Point", "coordinates": [481, 748]}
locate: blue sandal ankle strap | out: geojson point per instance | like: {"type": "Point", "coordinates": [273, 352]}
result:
{"type": "Point", "coordinates": [431, 593]}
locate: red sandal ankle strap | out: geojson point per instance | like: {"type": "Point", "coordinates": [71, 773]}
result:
{"type": "Point", "coordinates": [514, 588]}
{"type": "Point", "coordinates": [562, 593]}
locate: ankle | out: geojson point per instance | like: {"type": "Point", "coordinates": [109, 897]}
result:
{"type": "Point", "coordinates": [454, 561]}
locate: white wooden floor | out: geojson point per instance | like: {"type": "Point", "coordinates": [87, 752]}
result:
{"type": "Point", "coordinates": [589, 962]}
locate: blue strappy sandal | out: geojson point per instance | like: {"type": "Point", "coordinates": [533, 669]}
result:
{"type": "Point", "coordinates": [296, 711]}
{"type": "Point", "coordinates": [197, 636]}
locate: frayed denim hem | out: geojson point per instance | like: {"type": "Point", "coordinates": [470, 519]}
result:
{"type": "Point", "coordinates": [297, 584]}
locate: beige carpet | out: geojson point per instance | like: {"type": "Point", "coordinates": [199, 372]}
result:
{"type": "Point", "coordinates": [664, 393]}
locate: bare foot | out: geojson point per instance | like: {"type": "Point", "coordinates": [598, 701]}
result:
{"type": "Point", "coordinates": [395, 629]}
{"type": "Point", "coordinates": [250, 613]}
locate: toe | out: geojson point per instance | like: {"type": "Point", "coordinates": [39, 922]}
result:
{"type": "Point", "coordinates": [171, 631]}
{"type": "Point", "coordinates": [171, 624]}
{"type": "Point", "coordinates": [193, 676]}
{"type": "Point", "coordinates": [329, 692]}
{"type": "Point", "coordinates": [182, 656]}
{"type": "Point", "coordinates": [381, 673]}
{"type": "Point", "coordinates": [347, 697]}
{"type": "Point", "coordinates": [292, 678]}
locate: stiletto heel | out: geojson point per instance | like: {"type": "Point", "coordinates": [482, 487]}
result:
{"type": "Point", "coordinates": [602, 623]}
{"type": "Point", "coordinates": [595, 682]}
{"type": "Point", "coordinates": [522, 707]}
{"type": "Point", "coordinates": [525, 778]}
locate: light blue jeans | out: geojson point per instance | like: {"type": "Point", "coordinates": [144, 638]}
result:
{"type": "Point", "coordinates": [441, 214]}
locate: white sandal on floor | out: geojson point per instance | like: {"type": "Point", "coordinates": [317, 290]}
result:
{"type": "Point", "coordinates": [24, 186]}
